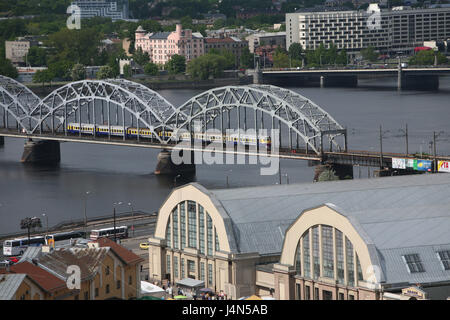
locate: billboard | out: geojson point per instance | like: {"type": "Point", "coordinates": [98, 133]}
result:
{"type": "Point", "coordinates": [444, 166]}
{"type": "Point", "coordinates": [398, 163]}
{"type": "Point", "coordinates": [424, 165]}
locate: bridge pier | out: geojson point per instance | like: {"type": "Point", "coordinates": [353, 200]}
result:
{"type": "Point", "coordinates": [338, 81]}
{"type": "Point", "coordinates": [166, 166]}
{"type": "Point", "coordinates": [412, 82]}
{"type": "Point", "coordinates": [41, 152]}
{"type": "Point", "coordinates": [342, 171]}
{"type": "Point", "coordinates": [2, 141]}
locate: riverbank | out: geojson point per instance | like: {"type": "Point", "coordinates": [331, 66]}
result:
{"type": "Point", "coordinates": [154, 84]}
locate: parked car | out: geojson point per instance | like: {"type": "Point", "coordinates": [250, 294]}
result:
{"type": "Point", "coordinates": [13, 260]}
{"type": "Point", "coordinates": [144, 245]}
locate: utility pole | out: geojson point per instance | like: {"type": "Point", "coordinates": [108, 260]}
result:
{"type": "Point", "coordinates": [434, 152]}
{"type": "Point", "coordinates": [85, 215]}
{"type": "Point", "coordinates": [406, 134]}
{"type": "Point", "coordinates": [132, 217]}
{"type": "Point", "coordinates": [381, 148]}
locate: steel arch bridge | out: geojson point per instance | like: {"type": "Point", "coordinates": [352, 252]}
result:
{"type": "Point", "coordinates": [16, 100]}
{"type": "Point", "coordinates": [261, 107]}
{"type": "Point", "coordinates": [118, 102]}
{"type": "Point", "coordinates": [114, 102]}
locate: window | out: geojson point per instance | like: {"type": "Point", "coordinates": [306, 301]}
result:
{"type": "Point", "coordinates": [107, 289]}
{"type": "Point", "coordinates": [191, 268]}
{"type": "Point", "coordinates": [86, 295]}
{"type": "Point", "coordinates": [327, 252]}
{"type": "Point", "coordinates": [340, 256]}
{"type": "Point", "coordinates": [175, 267]}
{"type": "Point", "coordinates": [316, 293]}
{"type": "Point", "coordinates": [182, 269]}
{"type": "Point", "coordinates": [413, 263]}
{"type": "Point", "coordinates": [216, 240]}
{"type": "Point", "coordinates": [298, 291]}
{"type": "Point", "coordinates": [444, 256]}
{"type": "Point", "coordinates": [306, 256]}
{"type": "Point", "coordinates": [130, 280]}
{"type": "Point", "coordinates": [118, 284]}
{"type": "Point", "coordinates": [307, 293]}
{"type": "Point", "coordinates": [175, 227]}
{"type": "Point", "coordinates": [96, 292]}
{"type": "Point", "coordinates": [168, 264]}
{"type": "Point", "coordinates": [316, 252]}
{"type": "Point", "coordinates": [351, 297]}
{"type": "Point", "coordinates": [341, 296]}
{"type": "Point", "coordinates": [168, 235]}
{"type": "Point", "coordinates": [210, 275]}
{"type": "Point", "coordinates": [201, 222]}
{"type": "Point", "coordinates": [107, 270]}
{"type": "Point", "coordinates": [202, 271]}
{"type": "Point", "coordinates": [298, 259]}
{"type": "Point", "coordinates": [327, 295]}
{"type": "Point", "coordinates": [183, 225]}
{"type": "Point", "coordinates": [350, 266]}
{"type": "Point", "coordinates": [192, 225]}
{"type": "Point", "coordinates": [209, 234]}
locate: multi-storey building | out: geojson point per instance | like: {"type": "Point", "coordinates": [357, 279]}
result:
{"type": "Point", "coordinates": [161, 46]}
{"type": "Point", "coordinates": [233, 44]}
{"type": "Point", "coordinates": [266, 38]}
{"type": "Point", "coordinates": [17, 50]}
{"type": "Point", "coordinates": [114, 9]}
{"type": "Point", "coordinates": [387, 30]}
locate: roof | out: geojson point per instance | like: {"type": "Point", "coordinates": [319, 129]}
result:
{"type": "Point", "coordinates": [192, 283]}
{"type": "Point", "coordinates": [398, 215]}
{"type": "Point", "coordinates": [88, 259]}
{"type": "Point", "coordinates": [159, 35]}
{"type": "Point", "coordinates": [44, 279]}
{"type": "Point", "coordinates": [124, 254]}
{"type": "Point", "coordinates": [147, 287]}
{"type": "Point", "coordinates": [220, 40]}
{"type": "Point", "coordinates": [9, 283]}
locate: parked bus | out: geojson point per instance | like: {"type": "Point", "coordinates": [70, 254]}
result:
{"type": "Point", "coordinates": [64, 236]}
{"type": "Point", "coordinates": [19, 246]}
{"type": "Point", "coordinates": [121, 232]}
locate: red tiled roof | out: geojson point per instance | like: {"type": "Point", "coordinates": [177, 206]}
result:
{"type": "Point", "coordinates": [44, 279]}
{"type": "Point", "coordinates": [126, 255]}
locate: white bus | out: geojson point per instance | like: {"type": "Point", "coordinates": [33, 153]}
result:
{"type": "Point", "coordinates": [121, 232]}
{"type": "Point", "coordinates": [17, 247]}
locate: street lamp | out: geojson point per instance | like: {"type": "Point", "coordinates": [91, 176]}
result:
{"type": "Point", "coordinates": [114, 214]}
{"type": "Point", "coordinates": [381, 146]}
{"type": "Point", "coordinates": [85, 215]}
{"type": "Point", "coordinates": [231, 170]}
{"type": "Point", "coordinates": [287, 177]}
{"type": "Point", "coordinates": [46, 217]}
{"type": "Point", "coordinates": [132, 217]}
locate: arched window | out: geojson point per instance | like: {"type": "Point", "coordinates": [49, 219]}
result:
{"type": "Point", "coordinates": [321, 250]}
{"type": "Point", "coordinates": [191, 225]}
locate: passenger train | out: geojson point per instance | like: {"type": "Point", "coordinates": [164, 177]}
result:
{"type": "Point", "coordinates": [118, 131]}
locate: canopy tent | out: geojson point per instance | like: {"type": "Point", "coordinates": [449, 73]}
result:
{"type": "Point", "coordinates": [190, 286]}
{"type": "Point", "coordinates": [150, 290]}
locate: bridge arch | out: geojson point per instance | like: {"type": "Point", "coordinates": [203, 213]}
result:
{"type": "Point", "coordinates": [16, 101]}
{"type": "Point", "coordinates": [127, 104]}
{"type": "Point", "coordinates": [301, 118]}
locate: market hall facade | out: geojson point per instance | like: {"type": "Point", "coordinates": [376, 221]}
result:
{"type": "Point", "coordinates": [340, 240]}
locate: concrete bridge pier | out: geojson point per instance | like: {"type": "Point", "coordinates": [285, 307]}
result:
{"type": "Point", "coordinates": [416, 82]}
{"type": "Point", "coordinates": [2, 141]}
{"type": "Point", "coordinates": [339, 81]}
{"type": "Point", "coordinates": [41, 152]}
{"type": "Point", "coordinates": [166, 166]}
{"type": "Point", "coordinates": [342, 171]}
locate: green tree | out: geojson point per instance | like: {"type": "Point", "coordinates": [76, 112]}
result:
{"type": "Point", "coordinates": [151, 69]}
{"type": "Point", "coordinates": [78, 72]}
{"type": "Point", "coordinates": [342, 58]}
{"type": "Point", "coordinates": [369, 54]}
{"type": "Point", "coordinates": [427, 57]}
{"type": "Point", "coordinates": [247, 59]}
{"type": "Point", "coordinates": [127, 71]}
{"type": "Point", "coordinates": [37, 57]}
{"type": "Point", "coordinates": [43, 76]}
{"type": "Point", "coordinates": [61, 69]}
{"type": "Point", "coordinates": [7, 69]}
{"type": "Point", "coordinates": [296, 51]}
{"type": "Point", "coordinates": [105, 72]}
{"type": "Point", "coordinates": [280, 60]}
{"type": "Point", "coordinates": [30, 224]}
{"type": "Point", "coordinates": [176, 64]}
{"type": "Point", "coordinates": [206, 66]}
{"type": "Point", "coordinates": [328, 175]}
{"type": "Point", "coordinates": [141, 57]}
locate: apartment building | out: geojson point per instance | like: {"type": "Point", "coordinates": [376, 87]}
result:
{"type": "Point", "coordinates": [161, 46]}
{"type": "Point", "coordinates": [233, 44]}
{"type": "Point", "coordinates": [399, 29]}
{"type": "Point", "coordinates": [266, 38]}
{"type": "Point", "coordinates": [16, 51]}
{"type": "Point", "coordinates": [114, 9]}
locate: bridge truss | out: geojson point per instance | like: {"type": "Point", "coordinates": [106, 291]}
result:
{"type": "Point", "coordinates": [122, 103]}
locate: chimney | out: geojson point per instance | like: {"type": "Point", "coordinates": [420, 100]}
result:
{"type": "Point", "coordinates": [178, 29]}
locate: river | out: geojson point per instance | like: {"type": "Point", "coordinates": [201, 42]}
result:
{"type": "Point", "coordinates": [112, 174]}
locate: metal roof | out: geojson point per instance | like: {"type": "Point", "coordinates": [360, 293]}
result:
{"type": "Point", "coordinates": [9, 283]}
{"type": "Point", "coordinates": [396, 215]}
{"type": "Point", "coordinates": [192, 283]}
{"type": "Point", "coordinates": [160, 35]}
